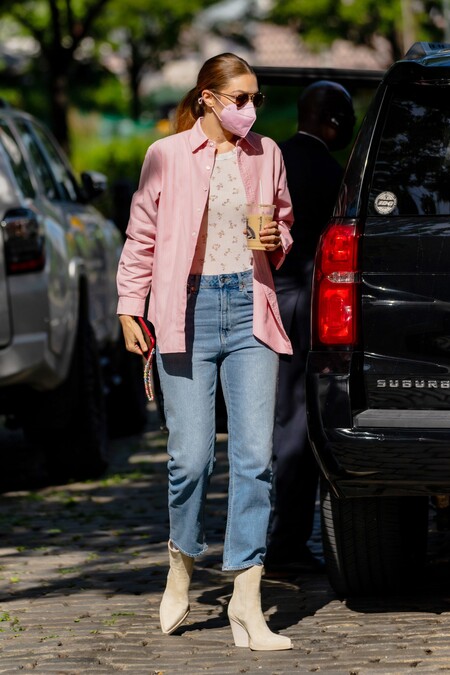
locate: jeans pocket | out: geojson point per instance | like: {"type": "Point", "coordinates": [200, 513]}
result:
{"type": "Point", "coordinates": [247, 290]}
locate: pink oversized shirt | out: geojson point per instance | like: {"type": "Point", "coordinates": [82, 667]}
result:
{"type": "Point", "coordinates": [165, 218]}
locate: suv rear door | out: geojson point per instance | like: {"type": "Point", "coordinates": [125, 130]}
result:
{"type": "Point", "coordinates": [406, 260]}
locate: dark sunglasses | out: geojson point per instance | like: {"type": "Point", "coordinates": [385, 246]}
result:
{"type": "Point", "coordinates": [242, 99]}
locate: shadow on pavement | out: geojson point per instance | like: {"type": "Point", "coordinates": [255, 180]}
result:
{"type": "Point", "coordinates": [115, 528]}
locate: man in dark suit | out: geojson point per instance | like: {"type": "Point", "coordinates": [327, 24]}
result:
{"type": "Point", "coordinates": [325, 123]}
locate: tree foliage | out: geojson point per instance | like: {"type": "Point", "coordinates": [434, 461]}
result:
{"type": "Point", "coordinates": [147, 35]}
{"type": "Point", "coordinates": [76, 37]}
{"type": "Point", "coordinates": [59, 27]}
{"type": "Point", "coordinates": [400, 21]}
{"type": "Point", "coordinates": [144, 33]}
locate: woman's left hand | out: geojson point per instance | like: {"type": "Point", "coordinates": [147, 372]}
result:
{"type": "Point", "coordinates": [270, 236]}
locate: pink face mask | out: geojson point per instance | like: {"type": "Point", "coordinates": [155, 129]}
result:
{"type": "Point", "coordinates": [238, 121]}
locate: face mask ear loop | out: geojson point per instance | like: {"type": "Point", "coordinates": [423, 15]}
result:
{"type": "Point", "coordinates": [218, 100]}
{"type": "Point", "coordinates": [216, 114]}
{"type": "Point", "coordinates": [213, 109]}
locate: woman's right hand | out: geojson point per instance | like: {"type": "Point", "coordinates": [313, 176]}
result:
{"type": "Point", "coordinates": [134, 337]}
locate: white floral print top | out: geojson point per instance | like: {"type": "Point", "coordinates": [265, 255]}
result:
{"type": "Point", "coordinates": [222, 244]}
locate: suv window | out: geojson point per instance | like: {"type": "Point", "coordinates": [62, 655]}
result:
{"type": "Point", "coordinates": [40, 166]}
{"type": "Point", "coordinates": [16, 160]}
{"type": "Point", "coordinates": [57, 181]}
{"type": "Point", "coordinates": [63, 176]}
{"type": "Point", "coordinates": [413, 161]}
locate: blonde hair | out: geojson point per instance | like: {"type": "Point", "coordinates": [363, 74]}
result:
{"type": "Point", "coordinates": [215, 74]}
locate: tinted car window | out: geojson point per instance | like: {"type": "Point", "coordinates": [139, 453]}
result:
{"type": "Point", "coordinates": [413, 161]}
{"type": "Point", "coordinates": [16, 159]}
{"type": "Point", "coordinates": [62, 175]}
{"type": "Point", "coordinates": [56, 179]}
{"type": "Point", "coordinates": [40, 166]}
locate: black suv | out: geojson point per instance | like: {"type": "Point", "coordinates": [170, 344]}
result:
{"type": "Point", "coordinates": [378, 374]}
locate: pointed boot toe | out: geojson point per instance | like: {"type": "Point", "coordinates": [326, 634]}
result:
{"type": "Point", "coordinates": [174, 606]}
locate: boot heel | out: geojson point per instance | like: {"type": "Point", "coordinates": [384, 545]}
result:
{"type": "Point", "coordinates": [240, 635]}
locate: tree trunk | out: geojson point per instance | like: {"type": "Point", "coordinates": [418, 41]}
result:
{"type": "Point", "coordinates": [134, 74]}
{"type": "Point", "coordinates": [59, 105]}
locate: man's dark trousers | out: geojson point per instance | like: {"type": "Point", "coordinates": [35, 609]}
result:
{"type": "Point", "coordinates": [295, 468]}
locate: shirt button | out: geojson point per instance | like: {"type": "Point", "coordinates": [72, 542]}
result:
{"type": "Point", "coordinates": [194, 233]}
{"type": "Point", "coordinates": [208, 168]}
{"type": "Point", "coordinates": [211, 144]}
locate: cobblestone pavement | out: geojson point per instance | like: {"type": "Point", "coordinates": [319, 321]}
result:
{"type": "Point", "coordinates": [83, 566]}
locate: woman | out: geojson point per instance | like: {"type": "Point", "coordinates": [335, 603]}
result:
{"type": "Point", "coordinates": [214, 309]}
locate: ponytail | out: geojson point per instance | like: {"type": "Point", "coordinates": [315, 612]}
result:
{"type": "Point", "coordinates": [188, 111]}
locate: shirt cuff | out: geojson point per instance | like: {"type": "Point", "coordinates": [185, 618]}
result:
{"type": "Point", "coordinates": [131, 306]}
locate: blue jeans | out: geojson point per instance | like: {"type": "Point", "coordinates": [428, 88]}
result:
{"type": "Point", "coordinates": [219, 332]}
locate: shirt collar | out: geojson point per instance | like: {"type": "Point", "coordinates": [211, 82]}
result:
{"type": "Point", "coordinates": [198, 138]}
{"type": "Point", "coordinates": [305, 133]}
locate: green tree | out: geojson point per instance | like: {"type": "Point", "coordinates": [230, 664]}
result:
{"type": "Point", "coordinates": [59, 27]}
{"type": "Point", "coordinates": [400, 21]}
{"type": "Point", "coordinates": [146, 35]}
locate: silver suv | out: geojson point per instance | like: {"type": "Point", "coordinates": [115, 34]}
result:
{"type": "Point", "coordinates": [62, 363]}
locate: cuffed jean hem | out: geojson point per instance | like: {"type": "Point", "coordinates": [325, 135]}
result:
{"type": "Point", "coordinates": [189, 555]}
{"type": "Point", "coordinates": [239, 568]}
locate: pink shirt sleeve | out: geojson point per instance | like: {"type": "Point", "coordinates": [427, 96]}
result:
{"type": "Point", "coordinates": [134, 274]}
{"type": "Point", "coordinates": [284, 212]}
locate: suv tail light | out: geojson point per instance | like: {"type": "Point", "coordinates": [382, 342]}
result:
{"type": "Point", "coordinates": [24, 244]}
{"type": "Point", "coordinates": [335, 295]}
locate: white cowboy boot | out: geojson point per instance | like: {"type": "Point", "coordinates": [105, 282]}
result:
{"type": "Point", "coordinates": [174, 606]}
{"type": "Point", "coordinates": [246, 618]}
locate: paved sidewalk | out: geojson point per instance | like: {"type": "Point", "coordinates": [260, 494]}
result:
{"type": "Point", "coordinates": [83, 566]}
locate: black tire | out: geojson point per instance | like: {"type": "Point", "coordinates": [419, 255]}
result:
{"type": "Point", "coordinates": [69, 423]}
{"type": "Point", "coordinates": [373, 545]}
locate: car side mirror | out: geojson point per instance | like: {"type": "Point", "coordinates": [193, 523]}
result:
{"type": "Point", "coordinates": [94, 184]}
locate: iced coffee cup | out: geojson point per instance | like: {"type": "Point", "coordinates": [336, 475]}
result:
{"type": "Point", "coordinates": [258, 215]}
